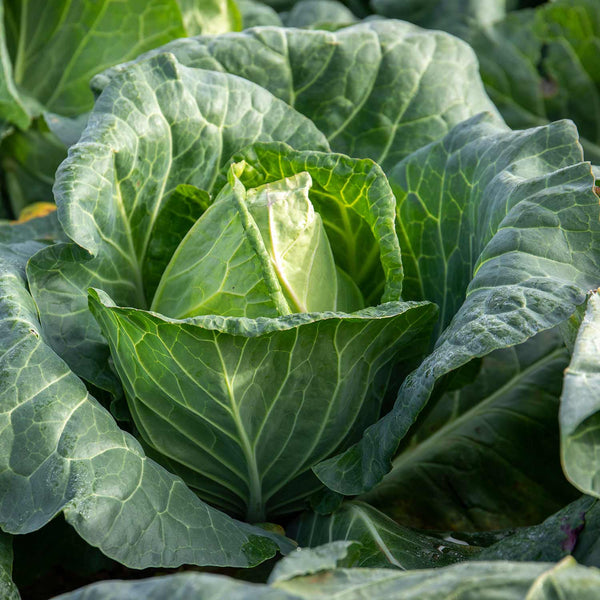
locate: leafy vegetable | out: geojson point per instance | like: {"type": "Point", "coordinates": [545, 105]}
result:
{"type": "Point", "coordinates": [300, 262]}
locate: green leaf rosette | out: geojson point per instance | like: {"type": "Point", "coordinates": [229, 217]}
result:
{"type": "Point", "coordinates": [250, 298]}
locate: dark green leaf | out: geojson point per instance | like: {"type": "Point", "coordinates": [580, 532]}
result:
{"type": "Point", "coordinates": [503, 230]}
{"type": "Point", "coordinates": [486, 456]}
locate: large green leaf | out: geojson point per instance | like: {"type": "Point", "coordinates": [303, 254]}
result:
{"type": "Point", "coordinates": [61, 451]}
{"type": "Point", "coordinates": [378, 90]}
{"type": "Point", "coordinates": [580, 406]}
{"type": "Point", "coordinates": [56, 47]}
{"type": "Point", "coordinates": [502, 230]}
{"type": "Point", "coordinates": [384, 543]}
{"type": "Point", "coordinates": [486, 455]}
{"type": "Point", "coordinates": [541, 65]}
{"type": "Point", "coordinates": [484, 581]}
{"type": "Point", "coordinates": [157, 126]}
{"type": "Point", "coordinates": [243, 408]}
{"type": "Point", "coordinates": [8, 590]}
{"type": "Point", "coordinates": [199, 586]}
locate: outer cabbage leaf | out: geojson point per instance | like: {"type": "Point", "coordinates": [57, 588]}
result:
{"type": "Point", "coordinates": [486, 455]}
{"type": "Point", "coordinates": [243, 408]}
{"type": "Point", "coordinates": [8, 590]}
{"type": "Point", "coordinates": [377, 90]}
{"type": "Point", "coordinates": [580, 406]}
{"type": "Point", "coordinates": [157, 126]}
{"type": "Point", "coordinates": [56, 47]}
{"type": "Point", "coordinates": [500, 228]}
{"type": "Point", "coordinates": [199, 586]}
{"type": "Point", "coordinates": [383, 542]}
{"type": "Point", "coordinates": [484, 581]}
{"type": "Point", "coordinates": [61, 451]}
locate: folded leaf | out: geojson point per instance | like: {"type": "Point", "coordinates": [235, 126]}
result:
{"type": "Point", "coordinates": [243, 408]}
{"type": "Point", "coordinates": [356, 204]}
{"type": "Point", "coordinates": [271, 256]}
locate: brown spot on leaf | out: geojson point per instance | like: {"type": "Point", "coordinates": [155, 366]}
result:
{"type": "Point", "coordinates": [548, 87]}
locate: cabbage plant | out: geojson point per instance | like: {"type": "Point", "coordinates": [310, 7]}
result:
{"type": "Point", "coordinates": [258, 357]}
{"type": "Point", "coordinates": [280, 263]}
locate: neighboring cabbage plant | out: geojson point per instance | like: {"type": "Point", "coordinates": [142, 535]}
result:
{"type": "Point", "coordinates": [48, 53]}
